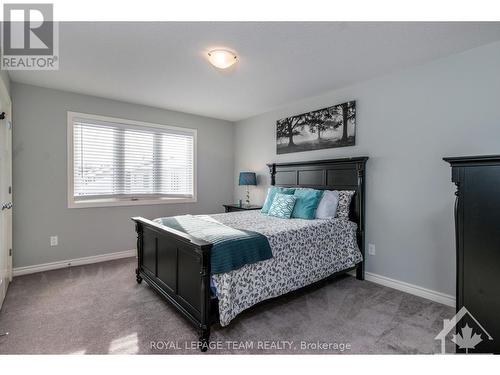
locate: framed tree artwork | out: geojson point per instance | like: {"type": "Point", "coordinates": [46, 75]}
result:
{"type": "Point", "coordinates": [324, 128]}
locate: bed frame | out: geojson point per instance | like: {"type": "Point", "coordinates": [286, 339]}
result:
{"type": "Point", "coordinates": [177, 265]}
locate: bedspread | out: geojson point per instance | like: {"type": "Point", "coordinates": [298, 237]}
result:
{"type": "Point", "coordinates": [304, 251]}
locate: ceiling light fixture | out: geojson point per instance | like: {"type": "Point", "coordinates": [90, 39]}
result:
{"type": "Point", "coordinates": [222, 58]}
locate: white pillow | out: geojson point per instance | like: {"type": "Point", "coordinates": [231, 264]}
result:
{"type": "Point", "coordinates": [327, 207]}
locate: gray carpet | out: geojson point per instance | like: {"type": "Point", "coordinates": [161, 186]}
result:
{"type": "Point", "coordinates": [99, 308]}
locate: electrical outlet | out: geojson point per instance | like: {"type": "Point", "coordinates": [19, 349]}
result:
{"type": "Point", "coordinates": [371, 249]}
{"type": "Point", "coordinates": [54, 240]}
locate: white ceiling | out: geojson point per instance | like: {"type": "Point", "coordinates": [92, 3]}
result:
{"type": "Point", "coordinates": [164, 65]}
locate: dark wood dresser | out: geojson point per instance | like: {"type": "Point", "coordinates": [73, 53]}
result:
{"type": "Point", "coordinates": [477, 225]}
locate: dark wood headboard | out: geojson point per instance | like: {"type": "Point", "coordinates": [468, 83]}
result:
{"type": "Point", "coordinates": [330, 174]}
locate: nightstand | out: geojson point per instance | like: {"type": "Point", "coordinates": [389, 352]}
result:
{"type": "Point", "coordinates": [243, 207]}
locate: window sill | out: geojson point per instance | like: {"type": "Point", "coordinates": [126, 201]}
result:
{"type": "Point", "coordinates": [127, 202]}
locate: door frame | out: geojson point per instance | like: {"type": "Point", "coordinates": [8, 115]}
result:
{"type": "Point", "coordinates": [4, 94]}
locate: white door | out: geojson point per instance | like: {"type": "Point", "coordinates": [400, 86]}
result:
{"type": "Point", "coordinates": [5, 193]}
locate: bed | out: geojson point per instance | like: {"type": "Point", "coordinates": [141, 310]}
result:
{"type": "Point", "coordinates": [178, 265]}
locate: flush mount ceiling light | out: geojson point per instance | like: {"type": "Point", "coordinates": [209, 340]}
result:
{"type": "Point", "coordinates": [222, 58]}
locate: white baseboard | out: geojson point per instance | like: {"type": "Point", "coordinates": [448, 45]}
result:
{"type": "Point", "coordinates": [19, 271]}
{"type": "Point", "coordinates": [416, 290]}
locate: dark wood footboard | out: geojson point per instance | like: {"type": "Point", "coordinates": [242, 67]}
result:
{"type": "Point", "coordinates": [177, 266]}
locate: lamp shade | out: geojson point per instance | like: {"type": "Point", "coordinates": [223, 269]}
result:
{"type": "Point", "coordinates": [248, 178]}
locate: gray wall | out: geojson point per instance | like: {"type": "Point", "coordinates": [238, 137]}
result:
{"type": "Point", "coordinates": [4, 76]}
{"type": "Point", "coordinates": [406, 123]}
{"type": "Point", "coordinates": [39, 176]}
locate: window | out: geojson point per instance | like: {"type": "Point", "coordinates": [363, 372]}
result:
{"type": "Point", "coordinates": [122, 162]}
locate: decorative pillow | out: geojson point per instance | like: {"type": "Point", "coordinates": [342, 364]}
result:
{"type": "Point", "coordinates": [271, 192]}
{"type": "Point", "coordinates": [327, 207]}
{"type": "Point", "coordinates": [345, 197]}
{"type": "Point", "coordinates": [307, 203]}
{"type": "Point", "coordinates": [282, 206]}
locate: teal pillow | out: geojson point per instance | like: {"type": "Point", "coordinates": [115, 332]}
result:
{"type": "Point", "coordinates": [307, 203]}
{"type": "Point", "coordinates": [271, 192]}
{"type": "Point", "coordinates": [282, 206]}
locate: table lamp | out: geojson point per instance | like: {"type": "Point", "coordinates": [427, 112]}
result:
{"type": "Point", "coordinates": [247, 179]}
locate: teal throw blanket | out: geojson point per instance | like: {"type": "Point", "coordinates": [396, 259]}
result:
{"type": "Point", "coordinates": [232, 248]}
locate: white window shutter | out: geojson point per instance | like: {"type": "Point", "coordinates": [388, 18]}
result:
{"type": "Point", "coordinates": [115, 160]}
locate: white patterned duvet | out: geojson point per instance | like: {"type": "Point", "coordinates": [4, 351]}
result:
{"type": "Point", "coordinates": [304, 251]}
